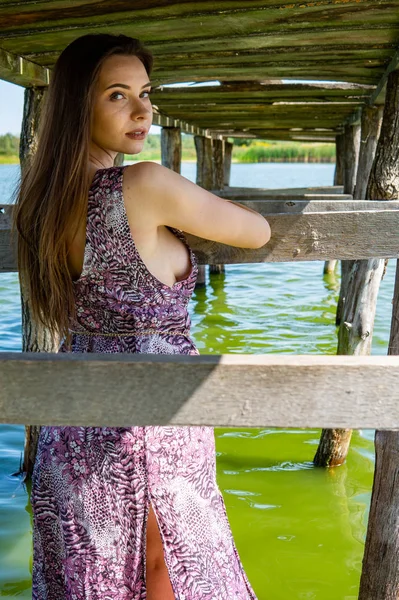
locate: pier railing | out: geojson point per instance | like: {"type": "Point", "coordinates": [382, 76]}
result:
{"type": "Point", "coordinates": [228, 390]}
{"type": "Point", "coordinates": [330, 228]}
{"type": "Point", "coordinates": [220, 391]}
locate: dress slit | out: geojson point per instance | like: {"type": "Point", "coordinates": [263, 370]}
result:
{"type": "Point", "coordinates": [149, 504]}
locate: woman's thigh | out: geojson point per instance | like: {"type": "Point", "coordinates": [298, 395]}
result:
{"type": "Point", "coordinates": [158, 582]}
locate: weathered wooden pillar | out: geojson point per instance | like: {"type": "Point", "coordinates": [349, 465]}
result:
{"type": "Point", "coordinates": [364, 276]}
{"type": "Point", "coordinates": [34, 337]}
{"type": "Point", "coordinates": [228, 154]}
{"type": "Point", "coordinates": [330, 265]}
{"type": "Point", "coordinates": [218, 164]}
{"type": "Point", "coordinates": [380, 574]}
{"type": "Point", "coordinates": [350, 162]}
{"type": "Point", "coordinates": [218, 174]}
{"type": "Point", "coordinates": [171, 148]}
{"type": "Point", "coordinates": [203, 147]}
{"type": "Point", "coordinates": [363, 280]}
{"type": "Point", "coordinates": [339, 159]}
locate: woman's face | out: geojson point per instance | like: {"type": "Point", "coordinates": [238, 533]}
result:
{"type": "Point", "coordinates": [121, 106]}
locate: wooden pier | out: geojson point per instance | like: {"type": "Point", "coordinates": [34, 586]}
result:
{"type": "Point", "coordinates": [247, 49]}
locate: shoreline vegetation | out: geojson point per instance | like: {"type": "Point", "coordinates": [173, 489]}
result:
{"type": "Point", "coordinates": [244, 151]}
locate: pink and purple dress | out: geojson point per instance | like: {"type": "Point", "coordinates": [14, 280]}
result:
{"type": "Point", "coordinates": [92, 486]}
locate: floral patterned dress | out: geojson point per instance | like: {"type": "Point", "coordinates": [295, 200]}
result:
{"type": "Point", "coordinates": [92, 486]}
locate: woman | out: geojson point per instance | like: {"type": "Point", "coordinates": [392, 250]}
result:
{"type": "Point", "coordinates": [121, 513]}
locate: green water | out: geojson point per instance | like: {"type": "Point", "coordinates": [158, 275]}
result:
{"type": "Point", "coordinates": [299, 530]}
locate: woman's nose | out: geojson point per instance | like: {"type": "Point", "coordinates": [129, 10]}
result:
{"type": "Point", "coordinates": [141, 108]}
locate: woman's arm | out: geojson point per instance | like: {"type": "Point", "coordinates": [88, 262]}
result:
{"type": "Point", "coordinates": [173, 200]}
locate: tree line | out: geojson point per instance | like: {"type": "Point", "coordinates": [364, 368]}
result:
{"type": "Point", "coordinates": [9, 144]}
{"type": "Point", "coordinates": [245, 150]}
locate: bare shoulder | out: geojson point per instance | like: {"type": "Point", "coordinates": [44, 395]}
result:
{"type": "Point", "coordinates": [139, 190]}
{"type": "Point", "coordinates": [167, 198]}
{"type": "Point", "coordinates": [147, 174]}
{"type": "Point", "coordinates": [145, 186]}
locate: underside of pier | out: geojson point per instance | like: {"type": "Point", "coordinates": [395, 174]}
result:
{"type": "Point", "coordinates": [238, 60]}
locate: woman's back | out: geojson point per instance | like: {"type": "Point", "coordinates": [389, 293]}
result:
{"type": "Point", "coordinates": [121, 305]}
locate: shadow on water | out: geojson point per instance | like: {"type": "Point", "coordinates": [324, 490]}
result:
{"type": "Point", "coordinates": [215, 316]}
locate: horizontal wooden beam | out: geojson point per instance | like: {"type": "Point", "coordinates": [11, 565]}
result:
{"type": "Point", "coordinates": [221, 391]}
{"type": "Point", "coordinates": [269, 91]}
{"type": "Point", "coordinates": [279, 196]}
{"type": "Point", "coordinates": [19, 70]}
{"type": "Point", "coordinates": [378, 96]}
{"type": "Point", "coordinates": [304, 231]}
{"type": "Point", "coordinates": [164, 120]}
{"type": "Point", "coordinates": [301, 230]}
{"type": "Point", "coordinates": [331, 190]}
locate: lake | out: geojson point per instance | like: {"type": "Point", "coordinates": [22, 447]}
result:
{"type": "Point", "coordinates": [299, 530]}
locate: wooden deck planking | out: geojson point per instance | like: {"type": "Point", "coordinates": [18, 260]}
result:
{"type": "Point", "coordinates": [226, 391]}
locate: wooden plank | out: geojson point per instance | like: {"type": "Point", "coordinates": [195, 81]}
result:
{"type": "Point", "coordinates": [327, 40]}
{"type": "Point", "coordinates": [229, 390]}
{"type": "Point", "coordinates": [313, 236]}
{"type": "Point", "coordinates": [165, 121]}
{"type": "Point", "coordinates": [25, 19]}
{"type": "Point", "coordinates": [267, 58]}
{"type": "Point", "coordinates": [300, 231]}
{"type": "Point", "coordinates": [163, 22]}
{"type": "Point", "coordinates": [21, 71]}
{"type": "Point", "coordinates": [314, 39]}
{"type": "Point", "coordinates": [378, 96]}
{"type": "Point", "coordinates": [312, 135]}
{"type": "Point", "coordinates": [323, 189]}
{"type": "Point", "coordinates": [253, 91]}
{"type": "Point", "coordinates": [280, 196]}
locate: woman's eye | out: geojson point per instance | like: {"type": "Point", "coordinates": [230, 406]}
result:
{"type": "Point", "coordinates": [112, 96]}
{"type": "Point", "coordinates": [115, 93]}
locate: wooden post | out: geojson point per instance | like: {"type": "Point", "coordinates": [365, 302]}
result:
{"type": "Point", "coordinates": [218, 164]}
{"type": "Point", "coordinates": [218, 175]}
{"type": "Point", "coordinates": [203, 147]}
{"type": "Point", "coordinates": [34, 337]}
{"type": "Point", "coordinates": [171, 148]}
{"type": "Point", "coordinates": [380, 574]}
{"type": "Point", "coordinates": [364, 276]}
{"type": "Point", "coordinates": [363, 281]}
{"type": "Point", "coordinates": [228, 153]}
{"type": "Point", "coordinates": [351, 156]}
{"type": "Point", "coordinates": [330, 265]}
{"type": "Point", "coordinates": [339, 158]}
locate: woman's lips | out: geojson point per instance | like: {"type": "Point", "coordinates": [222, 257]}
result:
{"type": "Point", "coordinates": [137, 136]}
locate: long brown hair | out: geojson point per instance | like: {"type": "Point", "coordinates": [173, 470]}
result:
{"type": "Point", "coordinates": [51, 197]}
